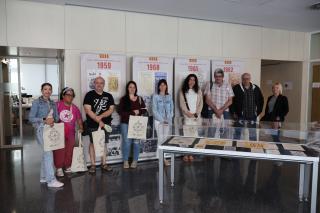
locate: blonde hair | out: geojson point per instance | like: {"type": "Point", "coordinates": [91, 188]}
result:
{"type": "Point", "coordinates": [279, 85]}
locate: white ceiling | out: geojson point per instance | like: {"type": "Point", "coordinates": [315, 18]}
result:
{"type": "Point", "coordinates": [281, 14]}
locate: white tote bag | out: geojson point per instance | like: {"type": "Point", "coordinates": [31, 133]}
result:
{"type": "Point", "coordinates": [78, 163]}
{"type": "Point", "coordinates": [53, 137]}
{"type": "Point", "coordinates": [98, 138]}
{"type": "Point", "coordinates": [137, 128]}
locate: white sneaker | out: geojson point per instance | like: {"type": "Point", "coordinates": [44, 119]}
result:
{"type": "Point", "coordinates": [60, 173]}
{"type": "Point", "coordinates": [42, 180]}
{"type": "Point", "coordinates": [68, 170]}
{"type": "Point", "coordinates": [55, 184]}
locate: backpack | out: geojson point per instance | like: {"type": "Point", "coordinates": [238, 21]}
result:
{"type": "Point", "coordinates": [206, 111]}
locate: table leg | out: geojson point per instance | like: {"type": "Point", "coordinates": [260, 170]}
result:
{"type": "Point", "coordinates": [301, 181]}
{"type": "Point", "coordinates": [160, 175]}
{"type": "Point", "coordinates": [307, 174]}
{"type": "Point", "coordinates": [172, 169]}
{"type": "Point", "coordinates": [314, 187]}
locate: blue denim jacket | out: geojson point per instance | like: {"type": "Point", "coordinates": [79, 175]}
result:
{"type": "Point", "coordinates": [162, 108]}
{"type": "Point", "coordinates": [40, 109]}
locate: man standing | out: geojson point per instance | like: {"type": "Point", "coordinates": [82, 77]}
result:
{"type": "Point", "coordinates": [98, 106]}
{"type": "Point", "coordinates": [219, 96]}
{"type": "Point", "coordinates": [247, 106]}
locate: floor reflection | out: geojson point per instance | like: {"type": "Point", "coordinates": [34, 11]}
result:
{"type": "Point", "coordinates": [206, 185]}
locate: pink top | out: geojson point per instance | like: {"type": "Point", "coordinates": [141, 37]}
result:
{"type": "Point", "coordinates": [69, 116]}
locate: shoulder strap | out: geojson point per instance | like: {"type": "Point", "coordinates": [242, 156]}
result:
{"type": "Point", "coordinates": [185, 100]}
{"type": "Point", "coordinates": [139, 100]}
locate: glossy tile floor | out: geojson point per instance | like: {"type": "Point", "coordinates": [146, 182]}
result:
{"type": "Point", "coordinates": [206, 185]}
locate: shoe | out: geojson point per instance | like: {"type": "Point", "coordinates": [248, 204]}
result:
{"type": "Point", "coordinates": [106, 168]}
{"type": "Point", "coordinates": [166, 163]}
{"type": "Point", "coordinates": [133, 165]}
{"type": "Point", "coordinates": [60, 173]}
{"type": "Point", "coordinates": [43, 180]}
{"type": "Point", "coordinates": [92, 170]}
{"type": "Point", "coordinates": [126, 165]}
{"type": "Point", "coordinates": [68, 170]}
{"type": "Point", "coordinates": [55, 184]}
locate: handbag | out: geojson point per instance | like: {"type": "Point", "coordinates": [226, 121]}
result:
{"type": "Point", "coordinates": [98, 138]}
{"type": "Point", "coordinates": [53, 137]}
{"type": "Point", "coordinates": [78, 161]}
{"type": "Point", "coordinates": [149, 126]}
{"type": "Point", "coordinates": [137, 128]}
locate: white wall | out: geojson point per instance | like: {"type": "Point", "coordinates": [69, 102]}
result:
{"type": "Point", "coordinates": [31, 24]}
{"type": "Point", "coordinates": [199, 38]}
{"type": "Point", "coordinates": [241, 41]}
{"type": "Point", "coordinates": [3, 22]}
{"type": "Point", "coordinates": [94, 29]}
{"type": "Point", "coordinates": [315, 48]}
{"type": "Point", "coordinates": [151, 34]}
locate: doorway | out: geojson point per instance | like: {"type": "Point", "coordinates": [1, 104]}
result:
{"type": "Point", "coordinates": [21, 77]}
{"type": "Point", "coordinates": [289, 74]}
{"type": "Point", "coordinates": [315, 106]}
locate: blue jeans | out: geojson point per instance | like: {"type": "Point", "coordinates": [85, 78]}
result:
{"type": "Point", "coordinates": [47, 169]}
{"type": "Point", "coordinates": [126, 144]}
{"type": "Point", "coordinates": [251, 125]}
{"type": "Point", "coordinates": [276, 137]}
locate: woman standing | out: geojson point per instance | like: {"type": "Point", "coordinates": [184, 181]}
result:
{"type": "Point", "coordinates": [130, 104]}
{"type": "Point", "coordinates": [162, 108]}
{"type": "Point", "coordinates": [70, 115]}
{"type": "Point", "coordinates": [276, 109]}
{"type": "Point", "coordinates": [191, 101]}
{"type": "Point", "coordinates": [44, 112]}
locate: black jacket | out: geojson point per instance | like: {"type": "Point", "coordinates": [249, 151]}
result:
{"type": "Point", "coordinates": [280, 109]}
{"type": "Point", "coordinates": [236, 107]}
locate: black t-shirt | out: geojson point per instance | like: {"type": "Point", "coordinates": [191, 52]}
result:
{"type": "Point", "coordinates": [99, 104]}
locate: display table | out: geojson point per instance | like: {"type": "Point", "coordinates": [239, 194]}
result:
{"type": "Point", "coordinates": [255, 150]}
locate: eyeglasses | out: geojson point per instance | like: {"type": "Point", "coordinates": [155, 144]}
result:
{"type": "Point", "coordinates": [69, 95]}
{"type": "Point", "coordinates": [218, 76]}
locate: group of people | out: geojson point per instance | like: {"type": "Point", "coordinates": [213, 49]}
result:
{"type": "Point", "coordinates": [243, 102]}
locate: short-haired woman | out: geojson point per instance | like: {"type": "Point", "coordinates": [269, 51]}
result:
{"type": "Point", "coordinates": [277, 108]}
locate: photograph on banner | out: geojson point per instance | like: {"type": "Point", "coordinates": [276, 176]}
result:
{"type": "Point", "coordinates": [185, 66]}
{"type": "Point", "coordinates": [157, 77]}
{"type": "Point", "coordinates": [114, 147]}
{"type": "Point", "coordinates": [233, 69]}
{"type": "Point", "coordinates": [148, 148]}
{"type": "Point", "coordinates": [146, 82]}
